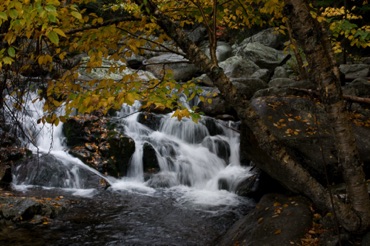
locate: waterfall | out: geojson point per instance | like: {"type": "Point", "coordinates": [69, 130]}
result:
{"type": "Point", "coordinates": [194, 159]}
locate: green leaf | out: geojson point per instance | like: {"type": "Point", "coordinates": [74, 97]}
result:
{"type": "Point", "coordinates": [3, 16]}
{"type": "Point", "coordinates": [77, 15]}
{"type": "Point", "coordinates": [11, 52]}
{"type": "Point", "coordinates": [59, 32]}
{"type": "Point", "coordinates": [53, 37]}
{"type": "Point", "coordinates": [50, 8]}
{"type": "Point", "coordinates": [13, 13]}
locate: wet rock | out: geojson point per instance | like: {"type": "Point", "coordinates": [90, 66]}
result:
{"type": "Point", "coordinates": [48, 170]}
{"type": "Point", "coordinates": [247, 186]}
{"type": "Point", "coordinates": [218, 146]}
{"type": "Point", "coordinates": [150, 120]}
{"type": "Point", "coordinates": [108, 151]}
{"type": "Point", "coordinates": [150, 161]}
{"type": "Point", "coordinates": [163, 180]}
{"type": "Point", "coordinates": [276, 220]}
{"type": "Point", "coordinates": [14, 209]}
{"type": "Point", "coordinates": [121, 150]}
{"type": "Point", "coordinates": [213, 127]}
{"type": "Point", "coordinates": [223, 184]}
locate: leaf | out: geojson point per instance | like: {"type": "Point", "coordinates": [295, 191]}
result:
{"type": "Point", "coordinates": [3, 16]}
{"type": "Point", "coordinates": [11, 51]}
{"type": "Point", "coordinates": [7, 60]}
{"type": "Point", "coordinates": [77, 15]}
{"type": "Point", "coordinates": [59, 32]}
{"type": "Point", "coordinates": [53, 37]}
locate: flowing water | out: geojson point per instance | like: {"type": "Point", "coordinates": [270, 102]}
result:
{"type": "Point", "coordinates": [182, 204]}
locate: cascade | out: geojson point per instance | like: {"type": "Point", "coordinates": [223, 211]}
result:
{"type": "Point", "coordinates": [193, 156]}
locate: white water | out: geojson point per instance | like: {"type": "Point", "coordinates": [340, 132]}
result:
{"type": "Point", "coordinates": [187, 156]}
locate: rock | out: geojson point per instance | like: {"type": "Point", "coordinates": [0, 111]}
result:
{"type": "Point", "coordinates": [280, 72]}
{"type": "Point", "coordinates": [213, 127]}
{"type": "Point", "coordinates": [238, 67]}
{"type": "Point", "coordinates": [257, 51]}
{"type": "Point", "coordinates": [248, 86]}
{"type": "Point", "coordinates": [283, 82]}
{"type": "Point", "coordinates": [150, 161]}
{"type": "Point", "coordinates": [353, 71]}
{"type": "Point", "coordinates": [263, 74]}
{"type": "Point", "coordinates": [174, 64]}
{"type": "Point", "coordinates": [48, 170]}
{"type": "Point", "coordinates": [217, 145]}
{"type": "Point", "coordinates": [163, 180]}
{"type": "Point", "coordinates": [204, 80]}
{"type": "Point", "coordinates": [358, 87]}
{"type": "Point", "coordinates": [301, 124]}
{"type": "Point", "coordinates": [276, 220]}
{"type": "Point", "coordinates": [223, 50]}
{"type": "Point", "coordinates": [268, 37]}
{"type": "Point", "coordinates": [214, 104]}
{"type": "Point", "coordinates": [150, 120]}
{"type": "Point", "coordinates": [121, 150]}
{"type": "Point", "coordinates": [247, 186]}
{"type": "Point", "coordinates": [197, 34]}
{"type": "Point", "coordinates": [15, 209]}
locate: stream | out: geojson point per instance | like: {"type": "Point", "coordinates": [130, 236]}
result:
{"type": "Point", "coordinates": [182, 204]}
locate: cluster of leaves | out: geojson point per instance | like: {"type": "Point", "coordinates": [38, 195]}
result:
{"type": "Point", "coordinates": [41, 37]}
{"type": "Point", "coordinates": [345, 25]}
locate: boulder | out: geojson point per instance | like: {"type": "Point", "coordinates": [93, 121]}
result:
{"type": "Point", "coordinates": [50, 171]}
{"type": "Point", "coordinates": [353, 71]}
{"type": "Point", "coordinates": [29, 210]}
{"type": "Point", "coordinates": [263, 74]}
{"type": "Point", "coordinates": [269, 37]}
{"type": "Point", "coordinates": [108, 151]}
{"type": "Point", "coordinates": [238, 67]}
{"type": "Point", "coordinates": [176, 65]}
{"type": "Point", "coordinates": [301, 124]}
{"type": "Point", "coordinates": [358, 87]}
{"type": "Point", "coordinates": [280, 72]}
{"type": "Point", "coordinates": [153, 121]}
{"type": "Point", "coordinates": [217, 145]}
{"type": "Point", "coordinates": [248, 86]}
{"type": "Point", "coordinates": [257, 51]}
{"type": "Point", "coordinates": [150, 161]}
{"type": "Point", "coordinates": [276, 220]}
{"type": "Point", "coordinates": [223, 50]}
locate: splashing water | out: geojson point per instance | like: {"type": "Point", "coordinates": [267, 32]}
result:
{"type": "Point", "coordinates": [192, 160]}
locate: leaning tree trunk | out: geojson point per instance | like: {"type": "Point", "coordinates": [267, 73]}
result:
{"type": "Point", "coordinates": [278, 163]}
{"type": "Point", "coordinates": [324, 72]}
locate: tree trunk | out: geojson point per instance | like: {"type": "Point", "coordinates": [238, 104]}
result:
{"type": "Point", "coordinates": [324, 72]}
{"type": "Point", "coordinates": [270, 155]}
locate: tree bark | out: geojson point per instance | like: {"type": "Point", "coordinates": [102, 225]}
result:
{"type": "Point", "coordinates": [270, 155]}
{"type": "Point", "coordinates": [315, 42]}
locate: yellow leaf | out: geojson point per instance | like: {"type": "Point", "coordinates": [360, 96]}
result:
{"type": "Point", "coordinates": [60, 32]}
